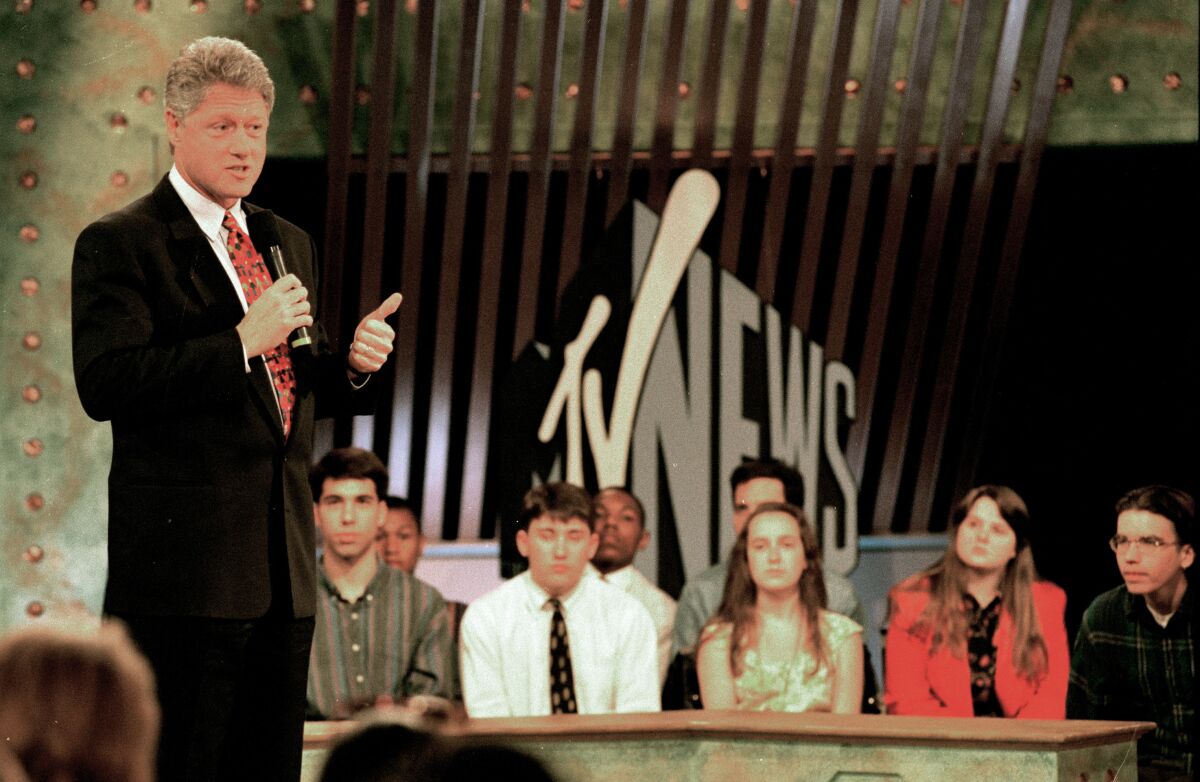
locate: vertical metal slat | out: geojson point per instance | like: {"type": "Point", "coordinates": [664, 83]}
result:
{"type": "Point", "coordinates": [966, 54]}
{"type": "Point", "coordinates": [818, 201]}
{"type": "Point", "coordinates": [883, 45]}
{"type": "Point", "coordinates": [708, 96]}
{"type": "Point", "coordinates": [539, 175]}
{"type": "Point", "coordinates": [437, 448]}
{"type": "Point", "coordinates": [627, 106]}
{"type": "Point", "coordinates": [950, 356]}
{"type": "Point", "coordinates": [743, 137]}
{"type": "Point", "coordinates": [784, 159]}
{"type": "Point", "coordinates": [668, 103]}
{"type": "Point", "coordinates": [912, 116]}
{"type": "Point", "coordinates": [341, 119]}
{"type": "Point", "coordinates": [1036, 131]}
{"type": "Point", "coordinates": [581, 144]}
{"type": "Point", "coordinates": [416, 193]}
{"type": "Point", "coordinates": [479, 407]}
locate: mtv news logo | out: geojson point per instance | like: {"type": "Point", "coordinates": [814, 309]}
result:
{"type": "Point", "coordinates": [663, 372]}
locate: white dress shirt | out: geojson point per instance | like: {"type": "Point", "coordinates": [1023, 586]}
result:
{"type": "Point", "coordinates": [505, 638]}
{"type": "Point", "coordinates": [658, 604]}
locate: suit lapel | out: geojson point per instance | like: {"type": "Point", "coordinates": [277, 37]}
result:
{"type": "Point", "coordinates": [199, 266]}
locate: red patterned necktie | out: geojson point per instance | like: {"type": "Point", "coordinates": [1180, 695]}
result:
{"type": "Point", "coordinates": [253, 275]}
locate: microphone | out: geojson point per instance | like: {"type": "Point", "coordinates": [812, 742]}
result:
{"type": "Point", "coordinates": [264, 232]}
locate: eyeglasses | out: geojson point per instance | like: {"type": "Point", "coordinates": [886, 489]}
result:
{"type": "Point", "coordinates": [1121, 544]}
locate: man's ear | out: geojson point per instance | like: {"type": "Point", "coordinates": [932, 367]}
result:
{"type": "Point", "coordinates": [644, 540]}
{"type": "Point", "coordinates": [523, 543]}
{"type": "Point", "coordinates": [173, 124]}
{"type": "Point", "coordinates": [1187, 555]}
{"type": "Point", "coordinates": [316, 516]}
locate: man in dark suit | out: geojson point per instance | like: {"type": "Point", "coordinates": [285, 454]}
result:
{"type": "Point", "coordinates": [180, 339]}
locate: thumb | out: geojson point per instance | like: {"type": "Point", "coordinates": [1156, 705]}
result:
{"type": "Point", "coordinates": [387, 308]}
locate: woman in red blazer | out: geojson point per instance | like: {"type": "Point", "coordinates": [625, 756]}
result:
{"type": "Point", "coordinates": [976, 634]}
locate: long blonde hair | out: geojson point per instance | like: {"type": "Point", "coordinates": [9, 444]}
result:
{"type": "Point", "coordinates": [78, 707]}
{"type": "Point", "coordinates": [739, 604]}
{"type": "Point", "coordinates": [944, 621]}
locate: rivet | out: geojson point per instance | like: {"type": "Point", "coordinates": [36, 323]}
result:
{"type": "Point", "coordinates": [26, 69]}
{"type": "Point", "coordinates": [574, 5]}
{"type": "Point", "coordinates": [523, 91]}
{"type": "Point", "coordinates": [119, 179]}
{"type": "Point", "coordinates": [31, 394]}
{"type": "Point", "coordinates": [32, 340]}
{"type": "Point", "coordinates": [1172, 81]}
{"type": "Point", "coordinates": [87, 6]}
{"type": "Point", "coordinates": [118, 121]}
{"type": "Point", "coordinates": [1065, 84]}
{"type": "Point", "coordinates": [852, 87]}
{"type": "Point", "coordinates": [23, 6]}
{"type": "Point", "coordinates": [33, 554]}
{"type": "Point", "coordinates": [27, 123]}
{"type": "Point", "coordinates": [572, 90]}
{"type": "Point", "coordinates": [29, 233]}
{"type": "Point", "coordinates": [33, 447]}
{"type": "Point", "coordinates": [1118, 83]}
{"type": "Point", "coordinates": [27, 180]}
{"type": "Point", "coordinates": [199, 6]}
{"type": "Point", "coordinates": [900, 85]}
{"type": "Point", "coordinates": [35, 502]}
{"type": "Point", "coordinates": [362, 95]}
{"type": "Point", "coordinates": [29, 286]}
{"type": "Point", "coordinates": [35, 609]}
{"type": "Point", "coordinates": [362, 8]}
{"type": "Point", "coordinates": [146, 95]}
{"type": "Point", "coordinates": [307, 6]}
{"type": "Point", "coordinates": [308, 94]}
{"type": "Point", "coordinates": [142, 6]}
{"type": "Point", "coordinates": [252, 7]}
{"type": "Point", "coordinates": [685, 90]}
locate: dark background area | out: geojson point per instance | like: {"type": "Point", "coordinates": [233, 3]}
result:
{"type": "Point", "coordinates": [1100, 376]}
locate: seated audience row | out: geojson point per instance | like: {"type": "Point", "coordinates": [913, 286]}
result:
{"type": "Point", "coordinates": [582, 631]}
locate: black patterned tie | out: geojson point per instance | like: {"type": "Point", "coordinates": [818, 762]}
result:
{"type": "Point", "coordinates": [562, 680]}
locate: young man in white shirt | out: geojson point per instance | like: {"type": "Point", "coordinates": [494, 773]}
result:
{"type": "Point", "coordinates": [557, 639]}
{"type": "Point", "coordinates": [621, 526]}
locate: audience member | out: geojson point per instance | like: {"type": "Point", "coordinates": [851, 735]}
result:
{"type": "Point", "coordinates": [385, 752]}
{"type": "Point", "coordinates": [753, 482]}
{"type": "Point", "coordinates": [1135, 654]}
{"type": "Point", "coordinates": [621, 525]}
{"type": "Point", "coordinates": [76, 707]}
{"type": "Point", "coordinates": [381, 634]}
{"type": "Point", "coordinates": [400, 542]}
{"type": "Point", "coordinates": [557, 639]}
{"type": "Point", "coordinates": [977, 634]}
{"type": "Point", "coordinates": [772, 646]}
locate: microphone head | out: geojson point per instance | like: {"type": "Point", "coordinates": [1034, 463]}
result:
{"type": "Point", "coordinates": [264, 229]}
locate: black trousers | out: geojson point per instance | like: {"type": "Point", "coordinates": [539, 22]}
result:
{"type": "Point", "coordinates": [232, 694]}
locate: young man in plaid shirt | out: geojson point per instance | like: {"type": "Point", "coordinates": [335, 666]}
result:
{"type": "Point", "coordinates": [1135, 655]}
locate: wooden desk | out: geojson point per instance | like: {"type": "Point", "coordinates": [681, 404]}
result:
{"type": "Point", "coordinates": [714, 746]}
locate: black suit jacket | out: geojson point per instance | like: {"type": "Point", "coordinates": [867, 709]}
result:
{"type": "Point", "coordinates": [200, 466]}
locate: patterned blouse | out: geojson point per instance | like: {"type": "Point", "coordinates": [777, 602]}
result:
{"type": "Point", "coordinates": [798, 685]}
{"type": "Point", "coordinates": [981, 654]}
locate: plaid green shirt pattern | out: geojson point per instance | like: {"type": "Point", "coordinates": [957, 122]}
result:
{"type": "Point", "coordinates": [1125, 666]}
{"type": "Point", "coordinates": [392, 642]}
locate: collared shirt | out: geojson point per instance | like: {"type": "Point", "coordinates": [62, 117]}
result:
{"type": "Point", "coordinates": [392, 642]}
{"type": "Point", "coordinates": [209, 216]}
{"type": "Point", "coordinates": [701, 597]}
{"type": "Point", "coordinates": [981, 654]}
{"type": "Point", "coordinates": [658, 604]}
{"type": "Point", "coordinates": [506, 659]}
{"type": "Point", "coordinates": [1126, 667]}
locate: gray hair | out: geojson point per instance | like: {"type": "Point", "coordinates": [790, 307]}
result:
{"type": "Point", "coordinates": [208, 61]}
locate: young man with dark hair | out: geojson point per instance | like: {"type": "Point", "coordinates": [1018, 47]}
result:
{"type": "Point", "coordinates": [381, 634]}
{"type": "Point", "coordinates": [621, 526]}
{"type": "Point", "coordinates": [556, 639]}
{"type": "Point", "coordinates": [1135, 655]}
